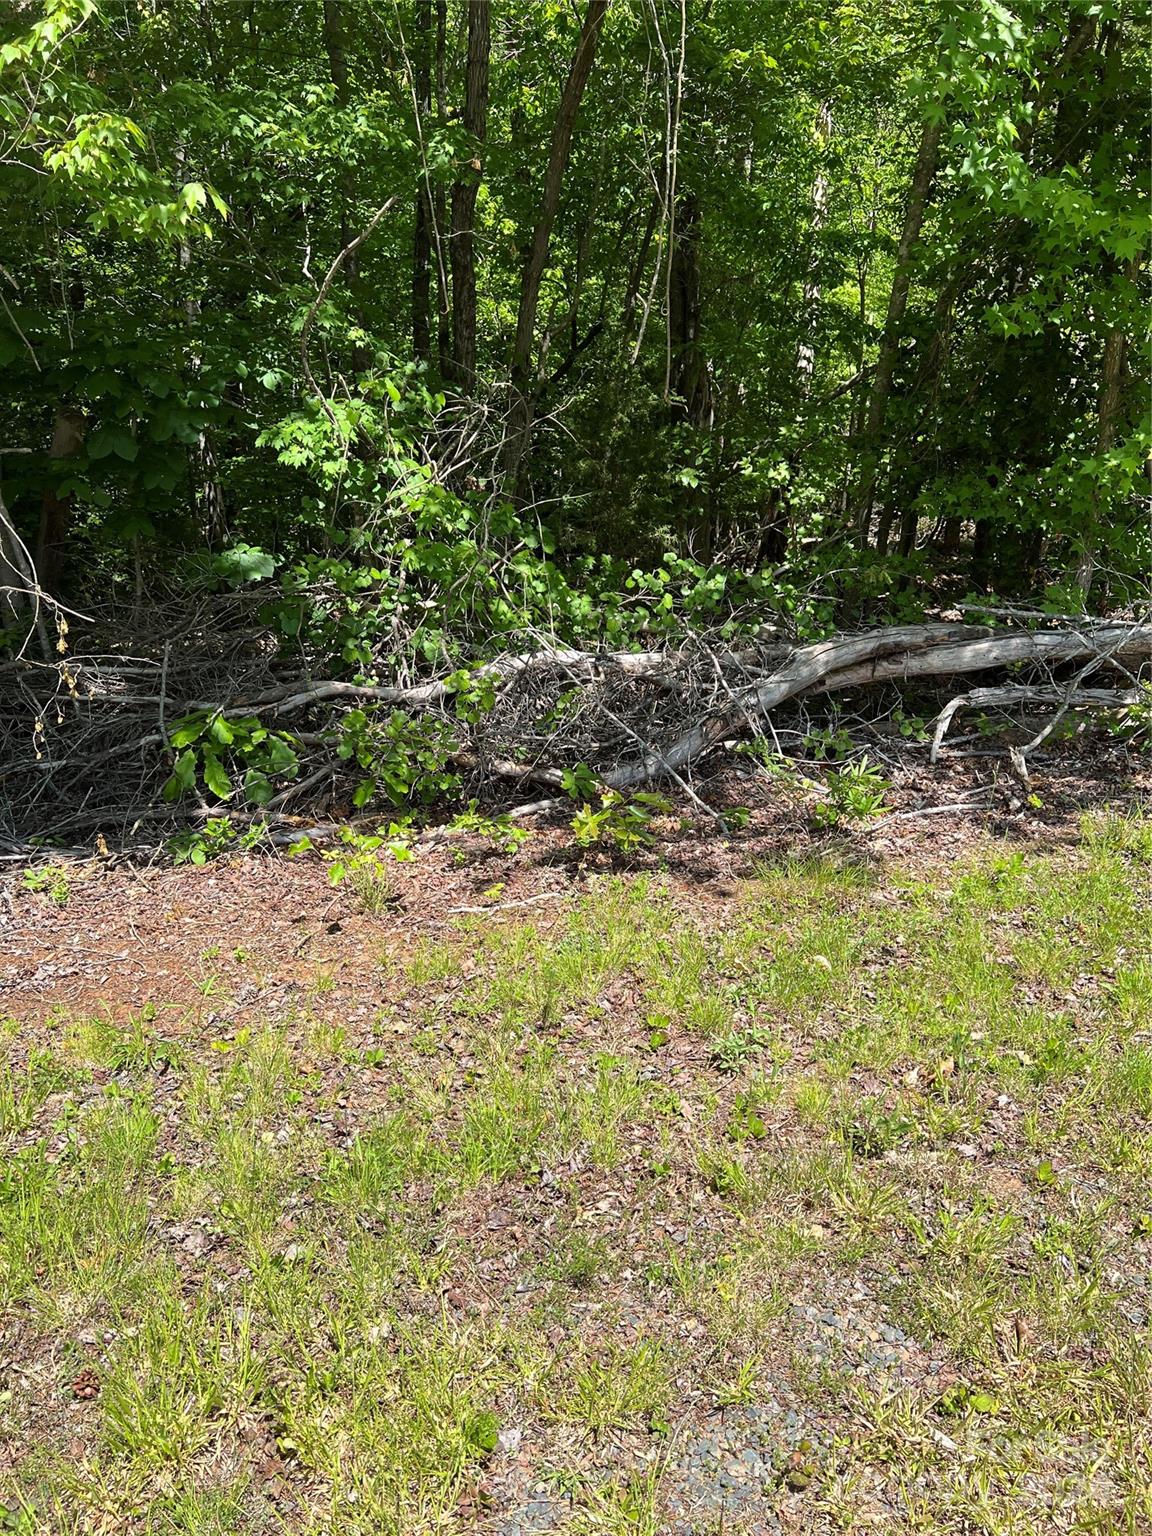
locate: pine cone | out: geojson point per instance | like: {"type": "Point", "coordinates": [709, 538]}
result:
{"type": "Point", "coordinates": [86, 1385]}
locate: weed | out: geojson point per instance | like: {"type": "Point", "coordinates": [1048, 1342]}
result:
{"type": "Point", "coordinates": [746, 1123]}
{"type": "Point", "coordinates": [731, 1050]}
{"type": "Point", "coordinates": [855, 792]}
{"type": "Point", "coordinates": [132, 1047]}
{"type": "Point", "coordinates": [23, 1091]}
{"type": "Point", "coordinates": [828, 743]}
{"type": "Point", "coordinates": [580, 1260]}
{"type": "Point", "coordinates": [871, 1129]}
{"type": "Point", "coordinates": [1133, 723]}
{"type": "Point", "coordinates": [741, 1386]}
{"type": "Point", "coordinates": [624, 823]}
{"type": "Point", "coordinates": [725, 1174]}
{"type": "Point", "coordinates": [500, 830]}
{"type": "Point", "coordinates": [1132, 1080]}
{"type": "Point", "coordinates": [218, 835]}
{"type": "Point", "coordinates": [621, 1386]}
{"type": "Point", "coordinates": [52, 879]}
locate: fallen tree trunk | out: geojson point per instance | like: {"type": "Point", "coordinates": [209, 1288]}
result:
{"type": "Point", "coordinates": [910, 651]}
{"type": "Point", "coordinates": [85, 741]}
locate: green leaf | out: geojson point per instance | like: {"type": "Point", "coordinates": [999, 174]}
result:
{"type": "Point", "coordinates": [184, 770]}
{"type": "Point", "coordinates": [257, 787]}
{"type": "Point", "coordinates": [244, 563]}
{"type": "Point", "coordinates": [106, 441]}
{"type": "Point", "coordinates": [279, 756]}
{"type": "Point", "coordinates": [215, 777]}
{"type": "Point", "coordinates": [184, 733]}
{"type": "Point", "coordinates": [483, 1432]}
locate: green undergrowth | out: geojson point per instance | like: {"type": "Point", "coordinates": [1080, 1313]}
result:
{"type": "Point", "coordinates": [572, 1180]}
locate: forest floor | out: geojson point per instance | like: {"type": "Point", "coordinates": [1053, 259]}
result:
{"type": "Point", "coordinates": [792, 1182]}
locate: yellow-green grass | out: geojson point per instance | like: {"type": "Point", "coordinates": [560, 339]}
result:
{"type": "Point", "coordinates": [315, 1274]}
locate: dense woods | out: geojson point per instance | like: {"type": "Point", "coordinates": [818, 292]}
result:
{"type": "Point", "coordinates": [407, 333]}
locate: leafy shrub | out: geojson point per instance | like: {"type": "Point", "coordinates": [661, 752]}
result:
{"type": "Point", "coordinates": [1133, 723]}
{"type": "Point", "coordinates": [404, 757]}
{"type": "Point", "coordinates": [217, 836]}
{"type": "Point", "coordinates": [358, 859]}
{"type": "Point", "coordinates": [623, 822]}
{"type": "Point", "coordinates": [206, 740]}
{"type": "Point", "coordinates": [52, 879]}
{"type": "Point", "coordinates": [500, 830]}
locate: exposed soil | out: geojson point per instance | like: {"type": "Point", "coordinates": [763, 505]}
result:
{"type": "Point", "coordinates": [132, 934]}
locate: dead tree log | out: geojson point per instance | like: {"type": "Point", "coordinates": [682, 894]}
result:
{"type": "Point", "coordinates": [909, 651]}
{"type": "Point", "coordinates": [100, 754]}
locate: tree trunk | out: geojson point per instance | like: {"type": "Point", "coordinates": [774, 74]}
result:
{"type": "Point", "coordinates": [336, 47]}
{"type": "Point", "coordinates": [950, 531]}
{"type": "Point", "coordinates": [1108, 413]}
{"type": "Point", "coordinates": [579, 70]}
{"type": "Point", "coordinates": [898, 654]}
{"type": "Point", "coordinates": [690, 379]}
{"type": "Point", "coordinates": [464, 194]}
{"type": "Point", "coordinates": [636, 272]}
{"type": "Point", "coordinates": [207, 494]}
{"type": "Point", "coordinates": [881, 389]}
{"type": "Point", "coordinates": [56, 510]}
{"type": "Point", "coordinates": [422, 234]}
{"type": "Point", "coordinates": [20, 611]}
{"type": "Point", "coordinates": [440, 206]}
{"type": "Point", "coordinates": [806, 351]}
{"type": "Point", "coordinates": [980, 570]}
{"type": "Point", "coordinates": [928, 380]}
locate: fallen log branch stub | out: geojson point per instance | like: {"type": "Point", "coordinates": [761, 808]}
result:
{"type": "Point", "coordinates": [1015, 694]}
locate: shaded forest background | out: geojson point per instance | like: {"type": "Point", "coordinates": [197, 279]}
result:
{"type": "Point", "coordinates": [426, 326]}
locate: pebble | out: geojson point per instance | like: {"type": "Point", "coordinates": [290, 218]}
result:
{"type": "Point", "coordinates": [732, 1468]}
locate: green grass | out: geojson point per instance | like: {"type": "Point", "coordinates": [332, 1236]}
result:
{"type": "Point", "coordinates": [575, 1185]}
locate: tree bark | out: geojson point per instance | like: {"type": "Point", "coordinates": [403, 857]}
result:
{"type": "Point", "coordinates": [690, 379]}
{"type": "Point", "coordinates": [464, 194]}
{"type": "Point", "coordinates": [562, 128]}
{"type": "Point", "coordinates": [422, 233]}
{"type": "Point", "coordinates": [55, 510]}
{"type": "Point", "coordinates": [854, 661]}
{"type": "Point", "coordinates": [1108, 413]}
{"type": "Point", "coordinates": [928, 380]}
{"type": "Point", "coordinates": [336, 48]}
{"type": "Point", "coordinates": [689, 376]}
{"type": "Point", "coordinates": [806, 350]}
{"type": "Point", "coordinates": [440, 205]}
{"type": "Point", "coordinates": [881, 389]}
{"type": "Point", "coordinates": [20, 610]}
